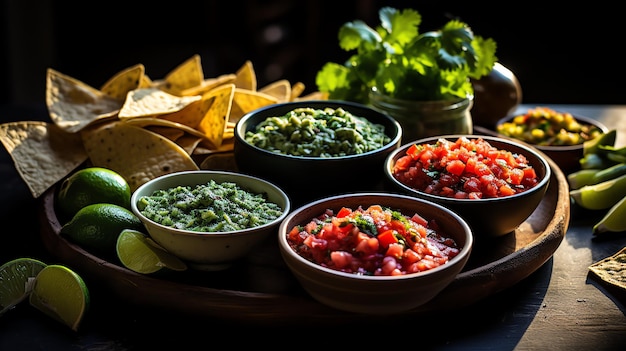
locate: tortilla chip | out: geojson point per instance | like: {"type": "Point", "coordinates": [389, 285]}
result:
{"type": "Point", "coordinates": [145, 82]}
{"type": "Point", "coordinates": [316, 95]}
{"type": "Point", "coordinates": [42, 152]}
{"type": "Point", "coordinates": [137, 154]}
{"type": "Point", "coordinates": [280, 89]}
{"type": "Point", "coordinates": [188, 143]}
{"type": "Point", "coordinates": [193, 114]}
{"type": "Point", "coordinates": [612, 269]}
{"type": "Point", "coordinates": [297, 90]}
{"type": "Point", "coordinates": [246, 101]}
{"type": "Point", "coordinates": [246, 77]}
{"type": "Point", "coordinates": [124, 81]}
{"type": "Point", "coordinates": [73, 105]}
{"type": "Point", "coordinates": [172, 134]}
{"type": "Point", "coordinates": [220, 161]}
{"type": "Point", "coordinates": [144, 122]}
{"type": "Point", "coordinates": [209, 84]}
{"type": "Point", "coordinates": [203, 149]}
{"type": "Point", "coordinates": [214, 122]}
{"type": "Point", "coordinates": [187, 75]}
{"type": "Point", "coordinates": [153, 102]}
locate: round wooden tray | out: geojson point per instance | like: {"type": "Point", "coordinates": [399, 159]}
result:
{"type": "Point", "coordinates": [261, 290]}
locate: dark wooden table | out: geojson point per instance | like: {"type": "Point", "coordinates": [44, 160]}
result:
{"type": "Point", "coordinates": [558, 307]}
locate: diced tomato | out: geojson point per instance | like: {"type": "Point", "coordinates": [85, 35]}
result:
{"type": "Point", "coordinates": [387, 238]}
{"type": "Point", "coordinates": [395, 250]}
{"type": "Point", "coordinates": [506, 190]}
{"type": "Point", "coordinates": [419, 220]}
{"type": "Point", "coordinates": [341, 259]}
{"type": "Point", "coordinates": [446, 167]}
{"type": "Point", "coordinates": [401, 243]}
{"type": "Point", "coordinates": [529, 172]}
{"type": "Point", "coordinates": [344, 212]}
{"type": "Point", "coordinates": [413, 150]}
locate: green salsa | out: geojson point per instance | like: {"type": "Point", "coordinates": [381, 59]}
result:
{"type": "Point", "coordinates": [211, 207]}
{"type": "Point", "coordinates": [313, 132]}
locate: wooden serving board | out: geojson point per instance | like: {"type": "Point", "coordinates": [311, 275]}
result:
{"type": "Point", "coordinates": [261, 290]}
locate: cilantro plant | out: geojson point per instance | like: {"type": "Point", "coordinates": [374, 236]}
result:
{"type": "Point", "coordinates": [398, 61]}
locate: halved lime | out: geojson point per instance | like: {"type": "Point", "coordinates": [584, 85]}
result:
{"type": "Point", "coordinates": [62, 294]}
{"type": "Point", "coordinates": [17, 278]}
{"type": "Point", "coordinates": [139, 253]}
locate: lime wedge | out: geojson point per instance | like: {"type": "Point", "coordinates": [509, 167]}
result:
{"type": "Point", "coordinates": [62, 294]}
{"type": "Point", "coordinates": [139, 253]}
{"type": "Point", "coordinates": [17, 278]}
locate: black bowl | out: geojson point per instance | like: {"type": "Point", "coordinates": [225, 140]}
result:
{"type": "Point", "coordinates": [310, 178]}
{"type": "Point", "coordinates": [488, 217]}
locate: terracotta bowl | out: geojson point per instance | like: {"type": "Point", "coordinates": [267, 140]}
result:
{"type": "Point", "coordinates": [371, 294]}
{"type": "Point", "coordinates": [488, 217]}
{"type": "Point", "coordinates": [210, 250]}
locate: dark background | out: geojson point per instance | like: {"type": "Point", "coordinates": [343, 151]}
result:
{"type": "Point", "coordinates": [560, 55]}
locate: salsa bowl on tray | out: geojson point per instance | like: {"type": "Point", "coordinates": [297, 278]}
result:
{"type": "Point", "coordinates": [493, 183]}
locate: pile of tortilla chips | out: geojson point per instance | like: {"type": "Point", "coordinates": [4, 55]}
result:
{"type": "Point", "coordinates": [138, 127]}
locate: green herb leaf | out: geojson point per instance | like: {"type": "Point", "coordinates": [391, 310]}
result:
{"type": "Point", "coordinates": [398, 61]}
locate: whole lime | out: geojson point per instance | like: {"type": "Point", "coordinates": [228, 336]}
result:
{"type": "Point", "coordinates": [96, 227]}
{"type": "Point", "coordinates": [90, 186]}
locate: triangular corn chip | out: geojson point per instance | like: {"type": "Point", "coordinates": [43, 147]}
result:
{"type": "Point", "coordinates": [137, 154]}
{"type": "Point", "coordinates": [246, 77]}
{"type": "Point", "coordinates": [73, 105]}
{"type": "Point", "coordinates": [213, 124]}
{"type": "Point", "coordinates": [246, 101]}
{"type": "Point", "coordinates": [153, 102]}
{"type": "Point", "coordinates": [124, 81]}
{"type": "Point", "coordinates": [280, 89]}
{"type": "Point", "coordinates": [42, 152]}
{"type": "Point", "coordinates": [187, 75]}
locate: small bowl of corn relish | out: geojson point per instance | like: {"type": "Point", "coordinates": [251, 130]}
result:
{"type": "Point", "coordinates": [558, 134]}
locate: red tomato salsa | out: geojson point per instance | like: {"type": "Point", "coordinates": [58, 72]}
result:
{"type": "Point", "coordinates": [464, 169]}
{"type": "Point", "coordinates": [375, 241]}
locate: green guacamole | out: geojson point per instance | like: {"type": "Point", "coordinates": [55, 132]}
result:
{"type": "Point", "coordinates": [312, 132]}
{"type": "Point", "coordinates": [211, 207]}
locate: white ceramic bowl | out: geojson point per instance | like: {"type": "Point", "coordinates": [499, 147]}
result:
{"type": "Point", "coordinates": [210, 250]}
{"type": "Point", "coordinates": [375, 294]}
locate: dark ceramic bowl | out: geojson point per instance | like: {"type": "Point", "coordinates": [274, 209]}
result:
{"type": "Point", "coordinates": [567, 157]}
{"type": "Point", "coordinates": [371, 294]}
{"type": "Point", "coordinates": [488, 217]}
{"type": "Point", "coordinates": [308, 178]}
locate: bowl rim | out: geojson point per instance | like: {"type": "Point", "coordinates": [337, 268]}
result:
{"type": "Point", "coordinates": [239, 132]}
{"type": "Point", "coordinates": [464, 252]}
{"type": "Point", "coordinates": [553, 148]}
{"type": "Point", "coordinates": [135, 198]}
{"type": "Point", "coordinates": [542, 184]}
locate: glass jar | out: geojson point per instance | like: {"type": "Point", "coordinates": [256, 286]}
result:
{"type": "Point", "coordinates": [420, 119]}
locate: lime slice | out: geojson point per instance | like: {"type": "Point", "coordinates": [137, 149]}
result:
{"type": "Point", "coordinates": [17, 278]}
{"type": "Point", "coordinates": [62, 294]}
{"type": "Point", "coordinates": [139, 253]}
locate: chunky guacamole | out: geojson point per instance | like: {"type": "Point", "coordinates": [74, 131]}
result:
{"type": "Point", "coordinates": [313, 132]}
{"type": "Point", "coordinates": [211, 207]}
